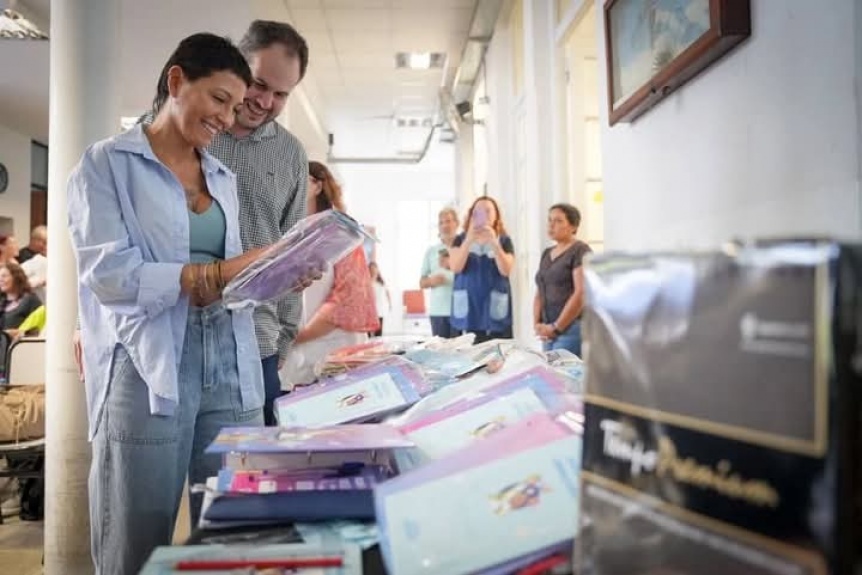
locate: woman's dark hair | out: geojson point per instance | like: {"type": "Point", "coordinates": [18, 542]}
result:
{"type": "Point", "coordinates": [379, 278]}
{"type": "Point", "coordinates": [19, 278]}
{"type": "Point", "coordinates": [330, 196]}
{"type": "Point", "coordinates": [199, 56]}
{"type": "Point", "coordinates": [264, 33]}
{"type": "Point", "coordinates": [573, 215]}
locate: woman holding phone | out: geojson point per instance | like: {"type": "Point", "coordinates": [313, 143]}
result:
{"type": "Point", "coordinates": [482, 258]}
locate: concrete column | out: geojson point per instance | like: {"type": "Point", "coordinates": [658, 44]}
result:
{"type": "Point", "coordinates": [85, 107]}
{"type": "Point", "coordinates": [464, 169]}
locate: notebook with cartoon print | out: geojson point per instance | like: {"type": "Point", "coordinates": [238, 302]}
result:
{"type": "Point", "coordinates": [514, 494]}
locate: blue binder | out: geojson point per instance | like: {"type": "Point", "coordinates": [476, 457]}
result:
{"type": "Point", "coordinates": [293, 506]}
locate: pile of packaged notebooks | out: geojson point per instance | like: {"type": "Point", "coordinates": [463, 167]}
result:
{"type": "Point", "coordinates": [716, 428]}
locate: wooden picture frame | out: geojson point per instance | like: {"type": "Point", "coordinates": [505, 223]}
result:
{"type": "Point", "coordinates": [655, 46]}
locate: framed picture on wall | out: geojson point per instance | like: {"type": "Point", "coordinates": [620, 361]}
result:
{"type": "Point", "coordinates": [655, 46]}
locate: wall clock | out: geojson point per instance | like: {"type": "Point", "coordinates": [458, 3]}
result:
{"type": "Point", "coordinates": [4, 178]}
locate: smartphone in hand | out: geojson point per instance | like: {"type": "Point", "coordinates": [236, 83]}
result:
{"type": "Point", "coordinates": [480, 218]}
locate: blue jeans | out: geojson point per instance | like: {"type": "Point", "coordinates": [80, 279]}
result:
{"type": "Point", "coordinates": [569, 339]}
{"type": "Point", "coordinates": [271, 388]}
{"type": "Point", "coordinates": [140, 461]}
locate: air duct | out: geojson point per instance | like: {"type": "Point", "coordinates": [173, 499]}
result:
{"type": "Point", "coordinates": [481, 32]}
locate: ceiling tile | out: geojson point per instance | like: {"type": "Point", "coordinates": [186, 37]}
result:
{"type": "Point", "coordinates": [318, 43]}
{"type": "Point", "coordinates": [367, 20]}
{"type": "Point", "coordinates": [357, 3]}
{"type": "Point", "coordinates": [383, 61]}
{"type": "Point", "coordinates": [323, 61]}
{"type": "Point", "coordinates": [432, 19]}
{"type": "Point", "coordinates": [466, 4]}
{"type": "Point", "coordinates": [326, 76]}
{"type": "Point", "coordinates": [347, 43]}
{"type": "Point", "coordinates": [303, 4]}
{"type": "Point", "coordinates": [309, 20]}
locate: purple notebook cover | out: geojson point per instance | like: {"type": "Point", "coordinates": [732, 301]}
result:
{"type": "Point", "coordinates": [304, 440]}
{"type": "Point", "coordinates": [313, 244]}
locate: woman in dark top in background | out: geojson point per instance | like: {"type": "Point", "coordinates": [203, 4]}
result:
{"type": "Point", "coordinates": [17, 300]}
{"type": "Point", "coordinates": [560, 281]}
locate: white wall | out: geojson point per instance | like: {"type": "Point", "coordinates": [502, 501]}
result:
{"type": "Point", "coordinates": [764, 142]}
{"type": "Point", "coordinates": [302, 120]}
{"type": "Point", "coordinates": [15, 202]}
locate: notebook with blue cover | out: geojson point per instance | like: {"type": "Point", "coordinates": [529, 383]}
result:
{"type": "Point", "coordinates": [292, 506]}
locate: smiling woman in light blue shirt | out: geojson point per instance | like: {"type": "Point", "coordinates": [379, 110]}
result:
{"type": "Point", "coordinates": [154, 225]}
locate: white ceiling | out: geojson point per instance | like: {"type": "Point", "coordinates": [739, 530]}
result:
{"type": "Point", "coordinates": [352, 82]}
{"type": "Point", "coordinates": [352, 66]}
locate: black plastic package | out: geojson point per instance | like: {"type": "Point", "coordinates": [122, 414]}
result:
{"type": "Point", "coordinates": [723, 424]}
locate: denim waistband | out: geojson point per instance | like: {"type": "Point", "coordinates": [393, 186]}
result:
{"type": "Point", "coordinates": [212, 313]}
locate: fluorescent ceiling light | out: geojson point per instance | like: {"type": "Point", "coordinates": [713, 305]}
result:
{"type": "Point", "coordinates": [420, 60]}
{"type": "Point", "coordinates": [13, 26]}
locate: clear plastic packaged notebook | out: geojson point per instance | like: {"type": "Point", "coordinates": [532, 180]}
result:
{"type": "Point", "coordinates": [311, 246]}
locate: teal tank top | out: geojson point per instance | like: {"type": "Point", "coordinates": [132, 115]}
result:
{"type": "Point", "coordinates": [206, 234]}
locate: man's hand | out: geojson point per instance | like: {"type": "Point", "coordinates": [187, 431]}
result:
{"type": "Point", "coordinates": [79, 355]}
{"type": "Point", "coordinates": [432, 281]}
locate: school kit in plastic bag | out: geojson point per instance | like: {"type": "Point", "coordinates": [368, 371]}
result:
{"type": "Point", "coordinates": [309, 247]}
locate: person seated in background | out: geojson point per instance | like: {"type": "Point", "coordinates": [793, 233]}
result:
{"type": "Point", "coordinates": [38, 244]}
{"type": "Point", "coordinates": [560, 281]}
{"type": "Point", "coordinates": [34, 261]}
{"type": "Point", "coordinates": [8, 249]}
{"type": "Point", "coordinates": [17, 299]}
{"type": "Point", "coordinates": [339, 309]}
{"type": "Point", "coordinates": [34, 325]}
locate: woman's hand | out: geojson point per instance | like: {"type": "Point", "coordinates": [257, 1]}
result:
{"type": "Point", "coordinates": [79, 353]}
{"type": "Point", "coordinates": [486, 235]}
{"type": "Point", "coordinates": [545, 331]}
{"type": "Point", "coordinates": [471, 236]}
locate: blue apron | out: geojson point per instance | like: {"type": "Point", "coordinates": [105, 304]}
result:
{"type": "Point", "coordinates": [481, 296]}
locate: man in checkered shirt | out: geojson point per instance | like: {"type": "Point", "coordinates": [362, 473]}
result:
{"type": "Point", "coordinates": [272, 176]}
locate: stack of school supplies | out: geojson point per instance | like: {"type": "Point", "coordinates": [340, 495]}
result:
{"type": "Point", "coordinates": [301, 474]}
{"type": "Point", "coordinates": [498, 504]}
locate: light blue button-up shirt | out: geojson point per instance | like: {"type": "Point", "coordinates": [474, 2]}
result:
{"type": "Point", "coordinates": [130, 228]}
